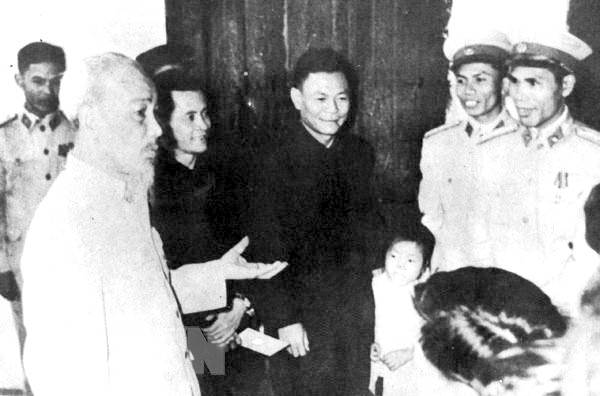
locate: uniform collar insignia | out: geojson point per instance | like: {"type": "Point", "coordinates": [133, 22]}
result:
{"type": "Point", "coordinates": [499, 125]}
{"type": "Point", "coordinates": [26, 121]}
{"type": "Point", "coordinates": [555, 137]}
{"type": "Point", "coordinates": [54, 121]}
{"type": "Point", "coordinates": [527, 138]}
{"type": "Point", "coordinates": [469, 129]}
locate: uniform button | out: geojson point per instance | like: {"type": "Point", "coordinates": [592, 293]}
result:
{"type": "Point", "coordinates": [42, 128]}
{"type": "Point", "coordinates": [449, 180]}
{"type": "Point", "coordinates": [46, 151]}
{"type": "Point", "coordinates": [525, 220]}
{"type": "Point", "coordinates": [48, 176]}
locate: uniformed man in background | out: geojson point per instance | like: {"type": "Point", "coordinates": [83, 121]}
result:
{"type": "Point", "coordinates": [33, 148]}
{"type": "Point", "coordinates": [452, 153]}
{"type": "Point", "coordinates": [535, 206]}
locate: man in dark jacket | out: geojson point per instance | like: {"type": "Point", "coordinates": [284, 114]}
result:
{"type": "Point", "coordinates": [310, 202]}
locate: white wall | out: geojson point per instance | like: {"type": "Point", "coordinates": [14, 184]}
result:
{"type": "Point", "coordinates": [81, 27]}
{"type": "Point", "coordinates": [510, 16]}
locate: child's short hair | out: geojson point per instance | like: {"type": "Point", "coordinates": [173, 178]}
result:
{"type": "Point", "coordinates": [418, 234]}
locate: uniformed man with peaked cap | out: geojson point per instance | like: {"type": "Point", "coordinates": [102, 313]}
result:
{"type": "Point", "coordinates": [452, 153]}
{"type": "Point", "coordinates": [536, 205]}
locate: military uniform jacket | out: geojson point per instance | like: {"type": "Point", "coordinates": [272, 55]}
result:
{"type": "Point", "coordinates": [32, 153]}
{"type": "Point", "coordinates": [534, 207]}
{"type": "Point", "coordinates": [450, 161]}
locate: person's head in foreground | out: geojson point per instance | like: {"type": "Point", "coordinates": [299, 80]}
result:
{"type": "Point", "coordinates": [541, 75]}
{"type": "Point", "coordinates": [477, 61]}
{"type": "Point", "coordinates": [321, 92]}
{"type": "Point", "coordinates": [111, 102]}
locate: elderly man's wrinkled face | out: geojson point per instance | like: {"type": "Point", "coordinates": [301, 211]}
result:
{"type": "Point", "coordinates": [40, 83]}
{"type": "Point", "coordinates": [131, 130]}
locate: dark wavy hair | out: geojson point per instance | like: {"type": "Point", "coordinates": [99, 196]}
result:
{"type": "Point", "coordinates": [167, 82]}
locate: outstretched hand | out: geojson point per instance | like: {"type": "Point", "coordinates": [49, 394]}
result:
{"type": "Point", "coordinates": [236, 267]}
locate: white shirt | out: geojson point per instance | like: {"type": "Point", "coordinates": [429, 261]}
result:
{"type": "Point", "coordinates": [100, 312]}
{"type": "Point", "coordinates": [397, 323]}
{"type": "Point", "coordinates": [398, 326]}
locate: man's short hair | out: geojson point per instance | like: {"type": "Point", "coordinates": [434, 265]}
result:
{"type": "Point", "coordinates": [85, 82]}
{"type": "Point", "coordinates": [40, 52]}
{"type": "Point", "coordinates": [316, 60]}
{"type": "Point", "coordinates": [167, 82]}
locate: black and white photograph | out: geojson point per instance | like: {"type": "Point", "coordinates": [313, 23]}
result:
{"type": "Point", "coordinates": [300, 197]}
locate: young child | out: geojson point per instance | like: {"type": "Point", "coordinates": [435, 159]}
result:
{"type": "Point", "coordinates": [397, 323]}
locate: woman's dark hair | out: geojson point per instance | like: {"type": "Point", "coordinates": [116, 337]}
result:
{"type": "Point", "coordinates": [167, 82]}
{"type": "Point", "coordinates": [418, 234]}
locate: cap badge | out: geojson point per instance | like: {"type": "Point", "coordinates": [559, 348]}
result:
{"type": "Point", "coordinates": [521, 48]}
{"type": "Point", "coordinates": [469, 51]}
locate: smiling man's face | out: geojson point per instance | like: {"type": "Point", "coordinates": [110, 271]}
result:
{"type": "Point", "coordinates": [538, 96]}
{"type": "Point", "coordinates": [478, 87]}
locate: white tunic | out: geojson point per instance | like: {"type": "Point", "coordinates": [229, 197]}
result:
{"type": "Point", "coordinates": [536, 224]}
{"type": "Point", "coordinates": [100, 312]}
{"type": "Point", "coordinates": [451, 159]}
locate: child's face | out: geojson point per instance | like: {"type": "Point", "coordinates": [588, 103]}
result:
{"type": "Point", "coordinates": [403, 262]}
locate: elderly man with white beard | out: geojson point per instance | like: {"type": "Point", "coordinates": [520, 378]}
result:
{"type": "Point", "coordinates": [102, 309]}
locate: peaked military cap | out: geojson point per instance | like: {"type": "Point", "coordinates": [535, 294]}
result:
{"type": "Point", "coordinates": [491, 46]}
{"type": "Point", "coordinates": [554, 48]}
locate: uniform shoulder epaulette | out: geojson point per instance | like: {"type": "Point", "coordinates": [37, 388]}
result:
{"type": "Point", "coordinates": [503, 129]}
{"type": "Point", "coordinates": [586, 133]}
{"type": "Point", "coordinates": [441, 128]}
{"type": "Point", "coordinates": [9, 120]}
